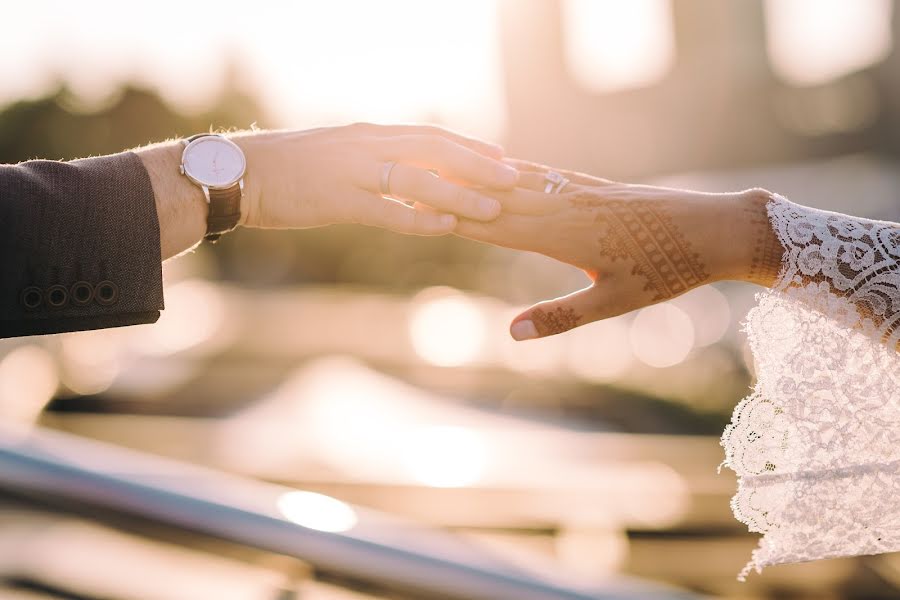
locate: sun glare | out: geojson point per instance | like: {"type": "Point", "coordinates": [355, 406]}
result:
{"type": "Point", "coordinates": [709, 312]}
{"type": "Point", "coordinates": [317, 511]}
{"type": "Point", "coordinates": [311, 63]}
{"type": "Point", "coordinates": [182, 326]}
{"type": "Point", "coordinates": [444, 456]}
{"type": "Point", "coordinates": [662, 335]}
{"type": "Point", "coordinates": [813, 41]}
{"type": "Point", "coordinates": [28, 380]}
{"type": "Point", "coordinates": [383, 61]}
{"type": "Point", "coordinates": [612, 44]}
{"type": "Point", "coordinates": [447, 329]}
{"type": "Point", "coordinates": [600, 351]}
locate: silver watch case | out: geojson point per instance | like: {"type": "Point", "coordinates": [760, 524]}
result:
{"type": "Point", "coordinates": [191, 144]}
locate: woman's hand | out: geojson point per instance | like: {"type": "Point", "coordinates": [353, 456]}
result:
{"type": "Point", "coordinates": [638, 244]}
{"type": "Point", "coordinates": [318, 177]}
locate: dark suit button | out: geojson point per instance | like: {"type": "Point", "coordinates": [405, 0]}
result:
{"type": "Point", "coordinates": [81, 293]}
{"type": "Point", "coordinates": [106, 293]}
{"type": "Point", "coordinates": [31, 297]}
{"type": "Point", "coordinates": [57, 296]}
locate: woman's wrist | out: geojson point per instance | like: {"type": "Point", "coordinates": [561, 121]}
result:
{"type": "Point", "coordinates": [763, 252]}
{"type": "Point", "coordinates": [733, 234]}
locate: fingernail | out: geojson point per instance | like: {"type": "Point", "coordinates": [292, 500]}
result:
{"type": "Point", "coordinates": [448, 221]}
{"type": "Point", "coordinates": [507, 175]}
{"type": "Point", "coordinates": [523, 330]}
{"type": "Point", "coordinates": [488, 207]}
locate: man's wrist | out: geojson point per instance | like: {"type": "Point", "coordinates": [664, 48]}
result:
{"type": "Point", "coordinates": [180, 205]}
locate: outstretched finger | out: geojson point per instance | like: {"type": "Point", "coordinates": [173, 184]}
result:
{"type": "Point", "coordinates": [376, 129]}
{"type": "Point", "coordinates": [418, 185]}
{"type": "Point", "coordinates": [396, 216]}
{"type": "Point", "coordinates": [521, 201]}
{"type": "Point", "coordinates": [600, 300]}
{"type": "Point", "coordinates": [507, 230]}
{"type": "Point", "coordinates": [557, 316]}
{"type": "Point", "coordinates": [526, 166]}
{"type": "Point", "coordinates": [450, 160]}
{"type": "Point", "coordinates": [481, 146]}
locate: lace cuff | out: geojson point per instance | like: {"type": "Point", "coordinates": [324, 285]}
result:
{"type": "Point", "coordinates": [816, 446]}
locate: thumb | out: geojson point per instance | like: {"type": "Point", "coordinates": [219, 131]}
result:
{"type": "Point", "coordinates": [559, 315]}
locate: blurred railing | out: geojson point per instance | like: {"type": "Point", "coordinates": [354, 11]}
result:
{"type": "Point", "coordinates": [325, 532]}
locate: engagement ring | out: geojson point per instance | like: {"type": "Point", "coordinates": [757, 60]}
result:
{"type": "Point", "coordinates": [555, 182]}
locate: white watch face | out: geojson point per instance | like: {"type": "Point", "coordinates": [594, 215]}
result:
{"type": "Point", "coordinates": [214, 162]}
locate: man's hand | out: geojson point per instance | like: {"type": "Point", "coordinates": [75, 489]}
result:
{"type": "Point", "coordinates": [298, 179]}
{"type": "Point", "coordinates": [638, 244]}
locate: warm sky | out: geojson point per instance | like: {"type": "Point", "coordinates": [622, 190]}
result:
{"type": "Point", "coordinates": [390, 60]}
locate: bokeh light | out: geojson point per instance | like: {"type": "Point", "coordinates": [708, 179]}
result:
{"type": "Point", "coordinates": [28, 380]}
{"type": "Point", "coordinates": [592, 551]}
{"type": "Point", "coordinates": [613, 45]}
{"type": "Point", "coordinates": [661, 335]}
{"type": "Point", "coordinates": [194, 316]}
{"type": "Point", "coordinates": [355, 415]}
{"type": "Point", "coordinates": [445, 456]}
{"type": "Point", "coordinates": [454, 75]}
{"type": "Point", "coordinates": [91, 360]}
{"type": "Point", "coordinates": [813, 41]}
{"type": "Point", "coordinates": [647, 482]}
{"type": "Point", "coordinates": [600, 351]}
{"type": "Point", "coordinates": [709, 311]}
{"type": "Point", "coordinates": [447, 329]}
{"type": "Point", "coordinates": [317, 511]}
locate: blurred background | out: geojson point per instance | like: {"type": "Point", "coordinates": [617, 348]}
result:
{"type": "Point", "coordinates": [377, 369]}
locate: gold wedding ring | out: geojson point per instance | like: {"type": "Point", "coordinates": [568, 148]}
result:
{"type": "Point", "coordinates": [386, 178]}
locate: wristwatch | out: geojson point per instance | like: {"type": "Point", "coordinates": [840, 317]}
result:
{"type": "Point", "coordinates": [217, 165]}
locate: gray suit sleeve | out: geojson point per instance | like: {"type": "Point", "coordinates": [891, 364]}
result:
{"type": "Point", "coordinates": [79, 246]}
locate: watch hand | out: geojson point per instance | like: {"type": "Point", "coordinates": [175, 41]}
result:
{"type": "Point", "coordinates": [215, 168]}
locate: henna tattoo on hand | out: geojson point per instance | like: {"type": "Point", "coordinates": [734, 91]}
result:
{"type": "Point", "coordinates": [768, 253]}
{"type": "Point", "coordinates": [555, 321]}
{"type": "Point", "coordinates": [643, 231]}
{"type": "Point", "coordinates": [611, 245]}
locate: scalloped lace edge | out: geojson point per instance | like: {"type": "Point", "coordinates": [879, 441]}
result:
{"type": "Point", "coordinates": [816, 355]}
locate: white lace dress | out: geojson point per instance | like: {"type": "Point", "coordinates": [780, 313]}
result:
{"type": "Point", "coordinates": [816, 446]}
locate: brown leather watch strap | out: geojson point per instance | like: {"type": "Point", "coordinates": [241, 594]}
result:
{"type": "Point", "coordinates": [224, 212]}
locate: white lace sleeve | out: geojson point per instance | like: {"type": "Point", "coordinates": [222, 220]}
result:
{"type": "Point", "coordinates": [816, 446]}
